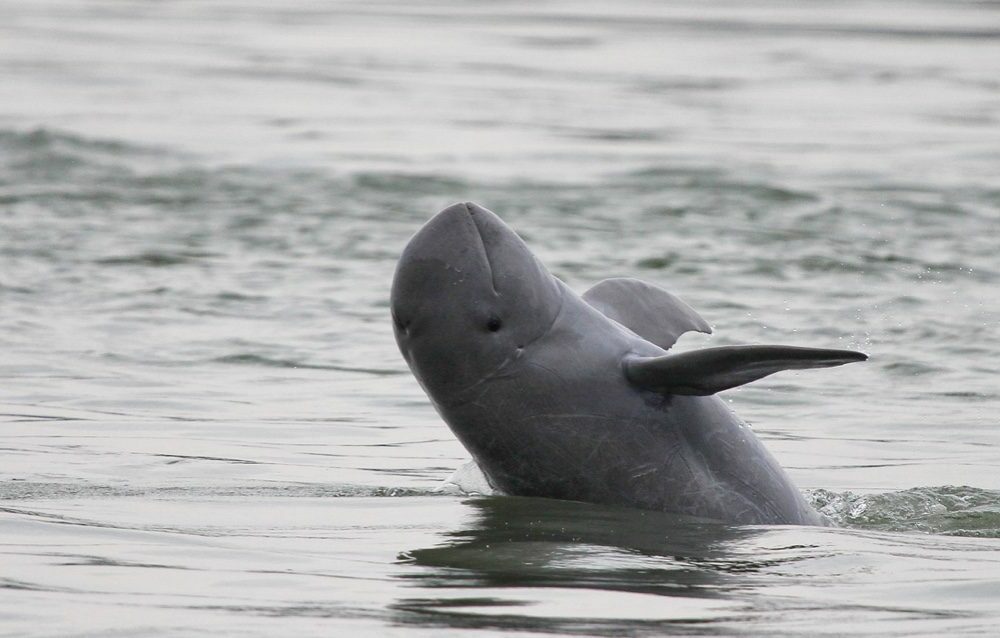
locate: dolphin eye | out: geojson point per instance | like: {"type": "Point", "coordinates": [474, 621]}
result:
{"type": "Point", "coordinates": [493, 324]}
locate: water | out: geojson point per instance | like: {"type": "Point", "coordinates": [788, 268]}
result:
{"type": "Point", "coordinates": [206, 425]}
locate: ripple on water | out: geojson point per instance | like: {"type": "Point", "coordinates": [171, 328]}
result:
{"type": "Point", "coordinates": [950, 510]}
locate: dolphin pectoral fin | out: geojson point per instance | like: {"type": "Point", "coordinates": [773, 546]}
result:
{"type": "Point", "coordinates": [711, 370]}
{"type": "Point", "coordinates": [647, 310]}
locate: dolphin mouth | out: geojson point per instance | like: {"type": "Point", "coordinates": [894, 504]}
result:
{"type": "Point", "coordinates": [475, 214]}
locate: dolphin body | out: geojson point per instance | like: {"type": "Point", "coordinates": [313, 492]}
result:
{"type": "Point", "coordinates": [562, 396]}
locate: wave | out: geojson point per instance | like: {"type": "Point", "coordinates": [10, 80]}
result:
{"type": "Point", "coordinates": [33, 490]}
{"type": "Point", "coordinates": [271, 362]}
{"type": "Point", "coordinates": [948, 509]}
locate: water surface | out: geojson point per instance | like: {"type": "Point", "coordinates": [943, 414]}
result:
{"type": "Point", "coordinates": [207, 427]}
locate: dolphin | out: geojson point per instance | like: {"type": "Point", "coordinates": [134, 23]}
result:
{"type": "Point", "coordinates": [576, 397]}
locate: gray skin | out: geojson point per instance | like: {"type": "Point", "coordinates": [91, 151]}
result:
{"type": "Point", "coordinates": [557, 395]}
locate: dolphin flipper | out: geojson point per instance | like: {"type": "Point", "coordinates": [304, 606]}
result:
{"type": "Point", "coordinates": [711, 370]}
{"type": "Point", "coordinates": [647, 310]}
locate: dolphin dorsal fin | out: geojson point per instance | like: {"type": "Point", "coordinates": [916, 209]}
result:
{"type": "Point", "coordinates": [647, 310]}
{"type": "Point", "coordinates": [711, 370]}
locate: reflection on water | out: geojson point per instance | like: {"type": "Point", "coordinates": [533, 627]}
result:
{"type": "Point", "coordinates": [564, 567]}
{"type": "Point", "coordinates": [528, 541]}
{"type": "Point", "coordinates": [584, 556]}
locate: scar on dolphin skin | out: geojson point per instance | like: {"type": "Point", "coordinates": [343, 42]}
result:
{"type": "Point", "coordinates": [607, 352]}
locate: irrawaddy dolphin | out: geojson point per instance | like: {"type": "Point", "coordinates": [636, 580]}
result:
{"type": "Point", "coordinates": [577, 397]}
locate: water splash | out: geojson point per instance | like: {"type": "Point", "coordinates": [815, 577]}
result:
{"type": "Point", "coordinates": [951, 510]}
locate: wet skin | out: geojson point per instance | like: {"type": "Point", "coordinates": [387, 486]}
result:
{"type": "Point", "coordinates": [554, 398]}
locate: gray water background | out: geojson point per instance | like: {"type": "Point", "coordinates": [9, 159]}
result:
{"type": "Point", "coordinates": [206, 426]}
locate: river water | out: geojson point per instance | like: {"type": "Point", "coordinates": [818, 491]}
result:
{"type": "Point", "coordinates": [207, 428]}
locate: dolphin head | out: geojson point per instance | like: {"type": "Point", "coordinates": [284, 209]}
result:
{"type": "Point", "coordinates": [467, 297]}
